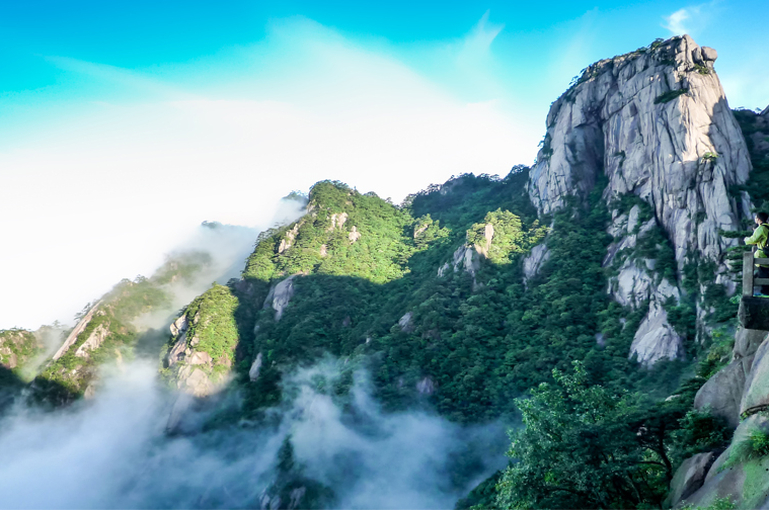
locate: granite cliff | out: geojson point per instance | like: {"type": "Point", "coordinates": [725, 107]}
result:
{"type": "Point", "coordinates": [653, 127]}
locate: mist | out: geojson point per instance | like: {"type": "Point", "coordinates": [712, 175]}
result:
{"type": "Point", "coordinates": [113, 451]}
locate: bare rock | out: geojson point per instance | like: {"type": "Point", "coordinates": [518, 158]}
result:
{"type": "Point", "coordinates": [337, 221]}
{"type": "Point", "coordinates": [709, 54]}
{"type": "Point", "coordinates": [756, 395]}
{"type": "Point", "coordinates": [426, 386]}
{"type": "Point", "coordinates": [747, 341]}
{"type": "Point", "coordinates": [621, 121]}
{"type": "Point", "coordinates": [406, 322]}
{"type": "Point", "coordinates": [94, 340]}
{"type": "Point", "coordinates": [201, 358]}
{"type": "Point", "coordinates": [195, 381]}
{"type": "Point", "coordinates": [467, 259]}
{"type": "Point", "coordinates": [296, 497]}
{"type": "Point", "coordinates": [689, 477]}
{"type": "Point", "coordinates": [354, 235]}
{"type": "Point", "coordinates": [179, 326]}
{"type": "Point", "coordinates": [79, 328]}
{"type": "Point", "coordinates": [722, 393]}
{"type": "Point", "coordinates": [534, 261]}
{"type": "Point", "coordinates": [256, 367]}
{"type": "Point", "coordinates": [656, 339]}
{"type": "Point", "coordinates": [280, 296]}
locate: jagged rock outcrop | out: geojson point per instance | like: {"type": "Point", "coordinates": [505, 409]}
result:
{"type": "Point", "coordinates": [201, 351]}
{"type": "Point", "coordinates": [256, 367]}
{"type": "Point", "coordinates": [657, 124]}
{"type": "Point", "coordinates": [656, 339]}
{"type": "Point", "coordinates": [17, 347]}
{"type": "Point", "coordinates": [79, 328]}
{"type": "Point", "coordinates": [280, 296]}
{"type": "Point", "coordinates": [93, 342]}
{"type": "Point", "coordinates": [534, 261]}
{"type": "Point", "coordinates": [406, 322]}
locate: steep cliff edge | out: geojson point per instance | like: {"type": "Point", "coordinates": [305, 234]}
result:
{"type": "Point", "coordinates": [656, 124]}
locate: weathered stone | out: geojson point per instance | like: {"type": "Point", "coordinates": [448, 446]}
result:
{"type": "Point", "coordinates": [72, 337]}
{"type": "Point", "coordinates": [93, 341]}
{"type": "Point", "coordinates": [354, 235]}
{"type": "Point", "coordinates": [656, 339]}
{"type": "Point", "coordinates": [468, 259]}
{"type": "Point", "coordinates": [201, 358]}
{"type": "Point", "coordinates": [614, 123]}
{"type": "Point", "coordinates": [534, 261]}
{"type": "Point", "coordinates": [296, 497]}
{"type": "Point", "coordinates": [754, 313]}
{"type": "Point", "coordinates": [689, 477]}
{"type": "Point", "coordinates": [280, 296]}
{"type": "Point", "coordinates": [179, 326]}
{"type": "Point", "coordinates": [722, 393]}
{"type": "Point", "coordinates": [746, 342]}
{"type": "Point", "coordinates": [756, 395]}
{"type": "Point", "coordinates": [426, 386]}
{"type": "Point", "coordinates": [337, 220]}
{"type": "Point", "coordinates": [256, 367]}
{"type": "Point", "coordinates": [405, 322]}
{"type": "Point", "coordinates": [709, 54]}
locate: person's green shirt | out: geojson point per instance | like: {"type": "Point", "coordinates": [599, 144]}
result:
{"type": "Point", "coordinates": [759, 238]}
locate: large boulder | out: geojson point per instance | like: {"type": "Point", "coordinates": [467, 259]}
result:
{"type": "Point", "coordinates": [746, 342]}
{"type": "Point", "coordinates": [722, 393]}
{"type": "Point", "coordinates": [756, 395]}
{"type": "Point", "coordinates": [689, 477]}
{"type": "Point", "coordinates": [738, 474]}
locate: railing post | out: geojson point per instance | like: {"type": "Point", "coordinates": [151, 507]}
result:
{"type": "Point", "coordinates": [747, 274]}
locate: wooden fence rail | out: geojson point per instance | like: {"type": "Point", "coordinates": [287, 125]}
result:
{"type": "Point", "coordinates": [748, 282]}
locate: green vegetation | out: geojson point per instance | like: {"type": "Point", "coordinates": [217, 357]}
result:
{"type": "Point", "coordinates": [111, 334]}
{"type": "Point", "coordinates": [717, 504]}
{"type": "Point", "coordinates": [212, 329]}
{"type": "Point", "coordinates": [758, 184]}
{"type": "Point", "coordinates": [752, 446]}
{"type": "Point", "coordinates": [670, 95]}
{"type": "Point", "coordinates": [507, 236]}
{"type": "Point", "coordinates": [702, 69]}
{"type": "Point", "coordinates": [18, 347]}
{"type": "Point", "coordinates": [586, 446]}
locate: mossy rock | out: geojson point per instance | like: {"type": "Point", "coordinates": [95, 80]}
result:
{"type": "Point", "coordinates": [756, 395]}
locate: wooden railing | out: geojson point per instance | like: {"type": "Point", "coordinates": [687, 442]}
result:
{"type": "Point", "coordinates": [748, 282]}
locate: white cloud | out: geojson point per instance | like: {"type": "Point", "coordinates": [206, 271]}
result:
{"type": "Point", "coordinates": [675, 22]}
{"type": "Point", "coordinates": [92, 198]}
{"type": "Point", "coordinates": [692, 20]}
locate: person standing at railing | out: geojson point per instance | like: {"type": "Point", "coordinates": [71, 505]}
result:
{"type": "Point", "coordinates": [760, 238]}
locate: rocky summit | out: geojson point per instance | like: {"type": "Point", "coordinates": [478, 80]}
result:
{"type": "Point", "coordinates": [588, 303]}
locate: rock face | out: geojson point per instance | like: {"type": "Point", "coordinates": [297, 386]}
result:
{"type": "Point", "coordinates": [689, 477]}
{"type": "Point", "coordinates": [534, 261]}
{"type": "Point", "coordinates": [280, 296]}
{"type": "Point", "coordinates": [722, 393]}
{"type": "Point", "coordinates": [18, 346]}
{"type": "Point", "coordinates": [756, 396]}
{"type": "Point", "coordinates": [94, 340]}
{"type": "Point", "coordinates": [256, 367]}
{"type": "Point", "coordinates": [657, 124]}
{"type": "Point", "coordinates": [72, 337]}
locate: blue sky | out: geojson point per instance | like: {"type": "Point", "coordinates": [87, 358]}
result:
{"type": "Point", "coordinates": [124, 125]}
